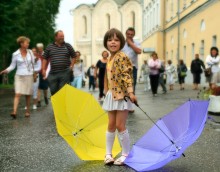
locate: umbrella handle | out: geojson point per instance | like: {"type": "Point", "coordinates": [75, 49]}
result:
{"type": "Point", "coordinates": [125, 98]}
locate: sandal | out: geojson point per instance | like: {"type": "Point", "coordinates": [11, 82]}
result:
{"type": "Point", "coordinates": [13, 115]}
{"type": "Point", "coordinates": [108, 159]}
{"type": "Point", "coordinates": [120, 161]}
{"type": "Point", "coordinates": [27, 114]}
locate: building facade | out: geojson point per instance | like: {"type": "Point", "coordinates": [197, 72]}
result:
{"type": "Point", "coordinates": [91, 21]}
{"type": "Point", "coordinates": [186, 27]}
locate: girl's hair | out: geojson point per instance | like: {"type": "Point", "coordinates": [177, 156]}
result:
{"type": "Point", "coordinates": [169, 61]}
{"type": "Point", "coordinates": [110, 34]}
{"type": "Point", "coordinates": [214, 48]}
{"type": "Point", "coordinates": [22, 39]}
{"type": "Point", "coordinates": [78, 52]}
{"type": "Point", "coordinates": [104, 52]}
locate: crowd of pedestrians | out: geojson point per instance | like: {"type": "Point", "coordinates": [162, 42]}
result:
{"type": "Point", "coordinates": [159, 72]}
{"type": "Point", "coordinates": [115, 74]}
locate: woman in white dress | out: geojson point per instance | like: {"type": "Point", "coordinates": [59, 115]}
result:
{"type": "Point", "coordinates": [170, 71]}
{"type": "Point", "coordinates": [213, 61]}
{"type": "Point", "coordinates": [23, 59]}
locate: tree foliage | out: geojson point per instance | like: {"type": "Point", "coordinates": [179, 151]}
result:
{"type": "Point", "coordinates": [32, 18]}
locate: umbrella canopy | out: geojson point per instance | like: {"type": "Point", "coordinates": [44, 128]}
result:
{"type": "Point", "coordinates": [82, 123]}
{"type": "Point", "coordinates": [170, 137]}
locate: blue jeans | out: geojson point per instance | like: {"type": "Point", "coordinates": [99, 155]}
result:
{"type": "Point", "coordinates": [77, 82]}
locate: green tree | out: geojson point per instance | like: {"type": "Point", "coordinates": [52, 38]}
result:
{"type": "Point", "coordinates": [34, 19]}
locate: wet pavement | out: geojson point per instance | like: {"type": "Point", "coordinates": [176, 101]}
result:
{"type": "Point", "coordinates": [32, 144]}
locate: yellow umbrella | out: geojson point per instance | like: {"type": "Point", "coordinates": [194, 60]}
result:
{"type": "Point", "coordinates": [82, 122]}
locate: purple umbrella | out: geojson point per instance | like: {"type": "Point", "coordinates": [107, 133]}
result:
{"type": "Point", "coordinates": [169, 137]}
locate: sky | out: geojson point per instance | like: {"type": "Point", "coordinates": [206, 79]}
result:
{"type": "Point", "coordinates": [64, 20]}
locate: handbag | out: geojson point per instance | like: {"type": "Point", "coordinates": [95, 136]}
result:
{"type": "Point", "coordinates": [183, 74]}
{"type": "Point", "coordinates": [35, 75]}
{"type": "Point", "coordinates": [208, 72]}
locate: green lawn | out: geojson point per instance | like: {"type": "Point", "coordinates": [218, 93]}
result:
{"type": "Point", "coordinates": [6, 86]}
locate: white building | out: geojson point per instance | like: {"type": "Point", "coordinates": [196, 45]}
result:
{"type": "Point", "coordinates": [91, 21]}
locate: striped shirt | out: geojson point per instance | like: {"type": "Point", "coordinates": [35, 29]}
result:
{"type": "Point", "coordinates": [59, 56]}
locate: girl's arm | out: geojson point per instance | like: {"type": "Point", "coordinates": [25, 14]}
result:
{"type": "Point", "coordinates": [105, 83]}
{"type": "Point", "coordinates": [125, 67]}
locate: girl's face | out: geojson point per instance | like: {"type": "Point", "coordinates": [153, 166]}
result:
{"type": "Point", "coordinates": [77, 55]}
{"type": "Point", "coordinates": [105, 54]}
{"type": "Point", "coordinates": [113, 44]}
{"type": "Point", "coordinates": [213, 53]}
{"type": "Point", "coordinates": [34, 52]}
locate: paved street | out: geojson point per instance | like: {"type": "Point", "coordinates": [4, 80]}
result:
{"type": "Point", "coordinates": [34, 145]}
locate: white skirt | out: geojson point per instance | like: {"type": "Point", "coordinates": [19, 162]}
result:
{"type": "Point", "coordinates": [24, 84]}
{"type": "Point", "coordinates": [109, 104]}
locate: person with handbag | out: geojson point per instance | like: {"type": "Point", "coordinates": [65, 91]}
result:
{"type": "Point", "coordinates": [196, 69]}
{"type": "Point", "coordinates": [181, 71]}
{"type": "Point", "coordinates": [155, 65]}
{"type": "Point", "coordinates": [212, 62]}
{"type": "Point", "coordinates": [23, 60]}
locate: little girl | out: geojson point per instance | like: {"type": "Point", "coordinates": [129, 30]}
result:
{"type": "Point", "coordinates": [118, 83]}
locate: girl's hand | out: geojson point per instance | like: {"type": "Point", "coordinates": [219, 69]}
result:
{"type": "Point", "coordinates": [133, 98]}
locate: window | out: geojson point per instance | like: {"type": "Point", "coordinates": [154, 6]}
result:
{"type": "Point", "coordinates": [167, 10]}
{"type": "Point", "coordinates": [108, 21]}
{"type": "Point", "coordinates": [171, 8]}
{"type": "Point", "coordinates": [202, 49]}
{"type": "Point", "coordinates": [172, 40]}
{"type": "Point", "coordinates": [184, 54]}
{"type": "Point", "coordinates": [133, 19]}
{"type": "Point", "coordinates": [184, 33]}
{"type": "Point", "coordinates": [184, 4]}
{"type": "Point", "coordinates": [157, 15]}
{"type": "Point", "coordinates": [84, 26]}
{"type": "Point", "coordinates": [153, 22]}
{"type": "Point", "coordinates": [172, 55]}
{"type": "Point", "coordinates": [214, 41]}
{"type": "Point", "coordinates": [202, 25]}
{"type": "Point", "coordinates": [193, 51]}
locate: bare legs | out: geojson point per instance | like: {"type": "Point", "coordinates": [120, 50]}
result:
{"type": "Point", "coordinates": [171, 87]}
{"type": "Point", "coordinates": [117, 120]}
{"type": "Point", "coordinates": [16, 103]}
{"type": "Point", "coordinates": [39, 97]}
{"type": "Point", "coordinates": [28, 101]}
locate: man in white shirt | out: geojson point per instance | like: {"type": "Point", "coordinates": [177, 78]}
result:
{"type": "Point", "coordinates": [132, 48]}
